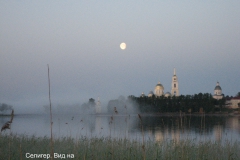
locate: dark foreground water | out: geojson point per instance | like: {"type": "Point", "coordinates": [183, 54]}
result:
{"type": "Point", "coordinates": [158, 128]}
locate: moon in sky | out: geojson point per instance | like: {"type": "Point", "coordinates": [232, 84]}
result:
{"type": "Point", "coordinates": [123, 46]}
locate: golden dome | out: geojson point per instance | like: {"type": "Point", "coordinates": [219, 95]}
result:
{"type": "Point", "coordinates": [159, 86]}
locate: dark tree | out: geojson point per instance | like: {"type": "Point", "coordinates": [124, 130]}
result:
{"type": "Point", "coordinates": [238, 94]}
{"type": "Point", "coordinates": [5, 107]}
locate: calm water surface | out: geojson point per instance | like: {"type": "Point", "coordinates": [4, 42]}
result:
{"type": "Point", "coordinates": [158, 128]}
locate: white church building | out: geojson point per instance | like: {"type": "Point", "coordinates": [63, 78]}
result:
{"type": "Point", "coordinates": [218, 92]}
{"type": "Point", "coordinates": [159, 89]}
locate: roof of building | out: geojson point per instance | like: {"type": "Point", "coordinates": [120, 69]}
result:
{"type": "Point", "coordinates": [218, 88]}
{"type": "Point", "coordinates": [159, 85]}
{"type": "Point", "coordinates": [168, 93]}
{"type": "Point", "coordinates": [151, 92]}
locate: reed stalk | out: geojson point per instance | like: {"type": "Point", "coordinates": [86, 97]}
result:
{"type": "Point", "coordinates": [143, 141]}
{"type": "Point", "coordinates": [181, 118]}
{"type": "Point", "coordinates": [20, 151]}
{"type": "Point", "coordinates": [50, 104]}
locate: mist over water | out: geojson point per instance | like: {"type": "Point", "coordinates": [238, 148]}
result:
{"type": "Point", "coordinates": [120, 105]}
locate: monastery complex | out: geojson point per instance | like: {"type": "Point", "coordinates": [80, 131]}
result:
{"type": "Point", "coordinates": [159, 91]}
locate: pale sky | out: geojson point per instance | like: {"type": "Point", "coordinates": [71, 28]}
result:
{"type": "Point", "coordinates": [80, 42]}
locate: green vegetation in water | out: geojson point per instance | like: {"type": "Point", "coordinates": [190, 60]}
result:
{"type": "Point", "coordinates": [16, 147]}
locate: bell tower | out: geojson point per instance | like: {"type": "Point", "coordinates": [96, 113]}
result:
{"type": "Point", "coordinates": [175, 90]}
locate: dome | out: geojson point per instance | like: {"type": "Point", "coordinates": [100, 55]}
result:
{"type": "Point", "coordinates": [159, 89]}
{"type": "Point", "coordinates": [151, 92]}
{"type": "Point", "coordinates": [218, 87]}
{"type": "Point", "coordinates": [159, 86]}
{"type": "Point", "coordinates": [167, 94]}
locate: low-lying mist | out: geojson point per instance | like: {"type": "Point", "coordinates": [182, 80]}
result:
{"type": "Point", "coordinates": [120, 106]}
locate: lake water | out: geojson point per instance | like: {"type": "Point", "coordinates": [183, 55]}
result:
{"type": "Point", "coordinates": [157, 128]}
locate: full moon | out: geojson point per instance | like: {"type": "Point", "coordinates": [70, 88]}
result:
{"type": "Point", "coordinates": [123, 46]}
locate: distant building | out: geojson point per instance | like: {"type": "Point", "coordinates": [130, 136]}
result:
{"type": "Point", "coordinates": [167, 94]}
{"type": "Point", "coordinates": [98, 106]}
{"type": "Point", "coordinates": [142, 95]}
{"type": "Point", "coordinates": [175, 90]}
{"type": "Point", "coordinates": [159, 89]}
{"type": "Point", "coordinates": [233, 102]}
{"type": "Point", "coordinates": [150, 94]}
{"type": "Point", "coordinates": [218, 92]}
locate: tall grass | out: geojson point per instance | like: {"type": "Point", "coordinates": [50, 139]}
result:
{"type": "Point", "coordinates": [109, 148]}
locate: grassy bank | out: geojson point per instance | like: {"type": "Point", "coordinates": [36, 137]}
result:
{"type": "Point", "coordinates": [15, 147]}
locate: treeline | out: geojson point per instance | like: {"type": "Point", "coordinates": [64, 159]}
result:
{"type": "Point", "coordinates": [185, 103]}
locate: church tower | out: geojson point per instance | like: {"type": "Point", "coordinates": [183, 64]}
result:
{"type": "Point", "coordinates": [175, 90]}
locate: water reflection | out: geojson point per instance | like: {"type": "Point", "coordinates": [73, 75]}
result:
{"type": "Point", "coordinates": [158, 128]}
{"type": "Point", "coordinates": [217, 130]}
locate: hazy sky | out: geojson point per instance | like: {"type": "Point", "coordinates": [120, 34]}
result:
{"type": "Point", "coordinates": [80, 42]}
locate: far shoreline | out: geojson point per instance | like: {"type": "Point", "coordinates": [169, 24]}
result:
{"type": "Point", "coordinates": [167, 114]}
